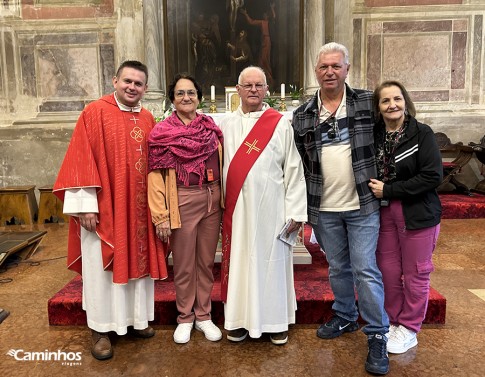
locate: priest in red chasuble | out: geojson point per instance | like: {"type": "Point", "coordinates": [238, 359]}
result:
{"type": "Point", "coordinates": [103, 183]}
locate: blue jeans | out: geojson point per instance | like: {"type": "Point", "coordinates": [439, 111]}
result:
{"type": "Point", "coordinates": [350, 242]}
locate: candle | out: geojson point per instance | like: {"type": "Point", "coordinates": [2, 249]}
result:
{"type": "Point", "coordinates": [282, 90]}
{"type": "Point", "coordinates": [213, 93]}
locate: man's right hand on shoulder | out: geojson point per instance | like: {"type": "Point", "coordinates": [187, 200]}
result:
{"type": "Point", "coordinates": [88, 221]}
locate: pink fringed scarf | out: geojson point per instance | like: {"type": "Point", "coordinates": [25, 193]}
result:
{"type": "Point", "coordinates": [172, 144]}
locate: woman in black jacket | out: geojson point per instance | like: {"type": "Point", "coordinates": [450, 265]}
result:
{"type": "Point", "coordinates": [409, 171]}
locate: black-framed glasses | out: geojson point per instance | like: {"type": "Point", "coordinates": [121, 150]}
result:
{"type": "Point", "coordinates": [248, 87]}
{"type": "Point", "coordinates": [334, 131]}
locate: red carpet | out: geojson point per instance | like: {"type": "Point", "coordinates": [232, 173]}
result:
{"type": "Point", "coordinates": [313, 294]}
{"type": "Point", "coordinates": [460, 206]}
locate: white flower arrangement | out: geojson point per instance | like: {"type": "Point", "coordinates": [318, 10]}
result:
{"type": "Point", "coordinates": [166, 112]}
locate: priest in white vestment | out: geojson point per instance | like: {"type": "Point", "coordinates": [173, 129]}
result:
{"type": "Point", "coordinates": [260, 288]}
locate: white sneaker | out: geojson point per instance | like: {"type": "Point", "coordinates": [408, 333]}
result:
{"type": "Point", "coordinates": [392, 329]}
{"type": "Point", "coordinates": [182, 332]}
{"type": "Point", "coordinates": [211, 331]}
{"type": "Point", "coordinates": [401, 340]}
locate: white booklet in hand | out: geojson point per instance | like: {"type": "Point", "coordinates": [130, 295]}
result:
{"type": "Point", "coordinates": [290, 239]}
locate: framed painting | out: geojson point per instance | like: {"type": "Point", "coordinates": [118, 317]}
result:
{"type": "Point", "coordinates": [214, 40]}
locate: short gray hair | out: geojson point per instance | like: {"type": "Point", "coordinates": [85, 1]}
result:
{"type": "Point", "coordinates": [251, 67]}
{"type": "Point", "coordinates": [333, 47]}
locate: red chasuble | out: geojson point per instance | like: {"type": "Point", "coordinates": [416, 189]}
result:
{"type": "Point", "coordinates": [242, 162]}
{"type": "Point", "coordinates": [108, 151]}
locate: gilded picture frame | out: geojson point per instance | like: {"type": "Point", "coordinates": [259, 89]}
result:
{"type": "Point", "coordinates": [214, 40]}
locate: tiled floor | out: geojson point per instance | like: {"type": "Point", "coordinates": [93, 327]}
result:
{"type": "Point", "coordinates": [454, 349]}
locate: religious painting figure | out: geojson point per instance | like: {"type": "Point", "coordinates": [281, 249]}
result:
{"type": "Point", "coordinates": [264, 58]}
{"type": "Point", "coordinates": [241, 51]}
{"type": "Point", "coordinates": [204, 49]}
{"type": "Point", "coordinates": [233, 6]}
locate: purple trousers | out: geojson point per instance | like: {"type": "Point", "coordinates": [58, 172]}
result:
{"type": "Point", "coordinates": [405, 259]}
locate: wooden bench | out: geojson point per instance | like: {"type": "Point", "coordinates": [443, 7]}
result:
{"type": "Point", "coordinates": [480, 154]}
{"type": "Point", "coordinates": [50, 207]}
{"type": "Point", "coordinates": [462, 155]}
{"type": "Point", "coordinates": [18, 205]}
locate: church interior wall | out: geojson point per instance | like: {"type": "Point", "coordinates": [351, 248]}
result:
{"type": "Point", "coordinates": [56, 56]}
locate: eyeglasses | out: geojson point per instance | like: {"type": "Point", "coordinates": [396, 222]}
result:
{"type": "Point", "coordinates": [248, 87]}
{"type": "Point", "coordinates": [335, 67]}
{"type": "Point", "coordinates": [334, 131]}
{"type": "Point", "coordinates": [181, 93]}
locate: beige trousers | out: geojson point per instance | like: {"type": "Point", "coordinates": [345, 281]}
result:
{"type": "Point", "coordinates": [193, 249]}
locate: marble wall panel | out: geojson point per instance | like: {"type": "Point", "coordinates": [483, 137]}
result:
{"type": "Point", "coordinates": [458, 63]}
{"type": "Point", "coordinates": [409, 58]}
{"type": "Point", "coordinates": [429, 95]}
{"type": "Point", "coordinates": [27, 66]}
{"type": "Point", "coordinates": [65, 38]}
{"type": "Point", "coordinates": [3, 76]}
{"type": "Point", "coordinates": [62, 106]}
{"type": "Point", "coordinates": [417, 26]}
{"type": "Point", "coordinates": [10, 8]}
{"type": "Point", "coordinates": [356, 66]}
{"type": "Point", "coordinates": [460, 25]}
{"type": "Point", "coordinates": [477, 58]}
{"type": "Point", "coordinates": [3, 68]}
{"type": "Point", "coordinates": [374, 53]}
{"type": "Point", "coordinates": [71, 3]}
{"type": "Point", "coordinates": [32, 155]}
{"type": "Point", "coordinates": [52, 9]}
{"type": "Point", "coordinates": [427, 56]}
{"type": "Point", "coordinates": [66, 71]}
{"type": "Point", "coordinates": [9, 57]}
{"type": "Point", "coordinates": [107, 62]}
{"type": "Point", "coordinates": [457, 95]}
{"type": "Point", "coordinates": [393, 3]}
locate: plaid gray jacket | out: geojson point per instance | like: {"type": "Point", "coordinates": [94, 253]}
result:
{"type": "Point", "coordinates": [308, 139]}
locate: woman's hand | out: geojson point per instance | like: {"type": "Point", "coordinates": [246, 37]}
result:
{"type": "Point", "coordinates": [377, 188]}
{"type": "Point", "coordinates": [164, 231]}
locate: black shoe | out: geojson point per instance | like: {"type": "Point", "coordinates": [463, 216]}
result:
{"type": "Point", "coordinates": [3, 314]}
{"type": "Point", "coordinates": [237, 335]}
{"type": "Point", "coordinates": [145, 333]}
{"type": "Point", "coordinates": [336, 327]}
{"type": "Point", "coordinates": [377, 360]}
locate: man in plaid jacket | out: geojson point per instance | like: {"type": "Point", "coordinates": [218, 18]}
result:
{"type": "Point", "coordinates": [334, 136]}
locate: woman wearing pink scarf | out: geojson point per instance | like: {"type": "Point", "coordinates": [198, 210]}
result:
{"type": "Point", "coordinates": [184, 194]}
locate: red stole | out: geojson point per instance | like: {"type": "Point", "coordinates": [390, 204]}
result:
{"type": "Point", "coordinates": [108, 151]}
{"type": "Point", "coordinates": [242, 162]}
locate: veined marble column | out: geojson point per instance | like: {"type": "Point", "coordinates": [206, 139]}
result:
{"type": "Point", "coordinates": [343, 33]}
{"type": "Point", "coordinates": [154, 46]}
{"type": "Point", "coordinates": [314, 35]}
{"type": "Point", "coordinates": [153, 24]}
{"type": "Point", "coordinates": [343, 23]}
{"type": "Point", "coordinates": [129, 31]}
